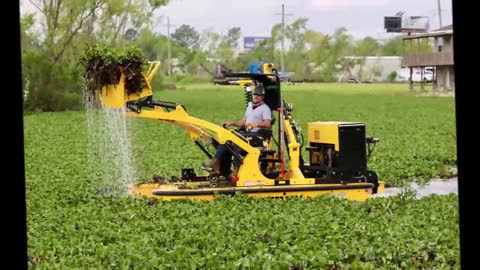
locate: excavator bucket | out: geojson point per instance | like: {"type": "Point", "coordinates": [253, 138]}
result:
{"type": "Point", "coordinates": [113, 95]}
{"type": "Point", "coordinates": [116, 96]}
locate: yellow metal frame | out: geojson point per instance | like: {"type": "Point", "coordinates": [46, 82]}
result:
{"type": "Point", "coordinates": [355, 192]}
{"type": "Point", "coordinates": [198, 128]}
{"type": "Point", "coordinates": [249, 174]}
{"type": "Point", "coordinates": [115, 96]}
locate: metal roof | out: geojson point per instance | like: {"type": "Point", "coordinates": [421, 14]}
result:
{"type": "Point", "coordinates": [443, 31]}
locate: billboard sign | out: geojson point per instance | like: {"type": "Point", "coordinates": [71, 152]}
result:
{"type": "Point", "coordinates": [415, 23]}
{"type": "Point", "coordinates": [401, 24]}
{"type": "Point", "coordinates": [252, 42]}
{"type": "Point", "coordinates": [393, 24]}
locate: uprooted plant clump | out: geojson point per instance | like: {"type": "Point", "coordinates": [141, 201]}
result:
{"type": "Point", "coordinates": [104, 65]}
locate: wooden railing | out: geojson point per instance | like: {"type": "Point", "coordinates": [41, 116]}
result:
{"type": "Point", "coordinates": [428, 59]}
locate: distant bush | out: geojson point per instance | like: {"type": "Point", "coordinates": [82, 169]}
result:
{"type": "Point", "coordinates": [60, 90]}
{"type": "Point", "coordinates": [391, 77]}
{"type": "Point", "coordinates": [158, 82]}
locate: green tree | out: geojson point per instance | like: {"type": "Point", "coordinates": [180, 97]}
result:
{"type": "Point", "coordinates": [296, 57]}
{"type": "Point", "coordinates": [232, 37]}
{"type": "Point", "coordinates": [367, 46]}
{"type": "Point", "coordinates": [218, 50]}
{"type": "Point", "coordinates": [313, 44]}
{"type": "Point", "coordinates": [295, 33]}
{"type": "Point", "coordinates": [125, 16]}
{"type": "Point", "coordinates": [313, 39]}
{"type": "Point", "coordinates": [153, 45]}
{"type": "Point", "coordinates": [332, 56]}
{"type": "Point", "coordinates": [224, 53]}
{"type": "Point", "coordinates": [275, 39]}
{"type": "Point", "coordinates": [66, 28]}
{"type": "Point", "coordinates": [393, 47]}
{"type": "Point", "coordinates": [193, 61]}
{"type": "Point", "coordinates": [186, 36]}
{"type": "Point", "coordinates": [210, 42]}
{"type": "Point", "coordinates": [155, 48]}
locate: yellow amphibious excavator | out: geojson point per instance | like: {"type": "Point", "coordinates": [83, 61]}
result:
{"type": "Point", "coordinates": [271, 163]}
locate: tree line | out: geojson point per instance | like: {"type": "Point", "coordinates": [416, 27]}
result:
{"type": "Point", "coordinates": [55, 33]}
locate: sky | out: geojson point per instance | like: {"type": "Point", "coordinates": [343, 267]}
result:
{"type": "Point", "coordinates": [361, 18]}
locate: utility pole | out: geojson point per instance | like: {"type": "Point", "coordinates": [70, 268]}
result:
{"type": "Point", "coordinates": [168, 42]}
{"type": "Point", "coordinates": [439, 13]}
{"type": "Point", "coordinates": [283, 35]}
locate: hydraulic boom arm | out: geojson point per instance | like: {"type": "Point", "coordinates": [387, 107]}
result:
{"type": "Point", "coordinates": [115, 96]}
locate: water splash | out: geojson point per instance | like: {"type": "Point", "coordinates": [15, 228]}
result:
{"type": "Point", "coordinates": [110, 161]}
{"type": "Point", "coordinates": [434, 186]}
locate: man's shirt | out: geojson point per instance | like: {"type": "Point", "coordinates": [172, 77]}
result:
{"type": "Point", "coordinates": [259, 114]}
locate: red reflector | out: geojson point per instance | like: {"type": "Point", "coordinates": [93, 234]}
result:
{"type": "Point", "coordinates": [234, 178]}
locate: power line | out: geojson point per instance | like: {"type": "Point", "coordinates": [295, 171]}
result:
{"type": "Point", "coordinates": [283, 35]}
{"type": "Point", "coordinates": [168, 40]}
{"type": "Point", "coordinates": [439, 13]}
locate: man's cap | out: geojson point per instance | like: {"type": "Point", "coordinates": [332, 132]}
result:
{"type": "Point", "coordinates": [259, 90]}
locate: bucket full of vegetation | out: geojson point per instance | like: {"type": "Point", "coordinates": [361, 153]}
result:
{"type": "Point", "coordinates": [113, 74]}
